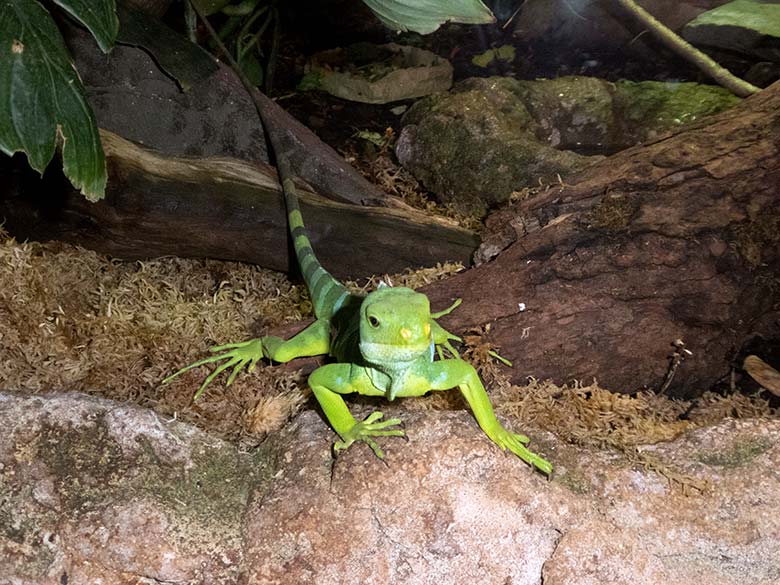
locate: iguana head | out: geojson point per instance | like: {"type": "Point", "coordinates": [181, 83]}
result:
{"type": "Point", "coordinates": [395, 327]}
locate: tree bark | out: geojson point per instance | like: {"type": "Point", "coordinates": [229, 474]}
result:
{"type": "Point", "coordinates": [218, 208]}
{"type": "Point", "coordinates": [678, 239]}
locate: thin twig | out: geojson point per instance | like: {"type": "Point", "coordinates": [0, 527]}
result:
{"type": "Point", "coordinates": [675, 43]}
{"type": "Point", "coordinates": [678, 357]}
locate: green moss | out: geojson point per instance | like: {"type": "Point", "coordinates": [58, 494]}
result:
{"type": "Point", "coordinates": [27, 530]}
{"type": "Point", "coordinates": [753, 238]}
{"type": "Point", "coordinates": [613, 213]}
{"type": "Point", "coordinates": [741, 453]}
{"type": "Point", "coordinates": [481, 130]}
{"type": "Point", "coordinates": [86, 464]}
{"type": "Point", "coordinates": [574, 481]}
{"type": "Point", "coordinates": [576, 101]}
{"type": "Point", "coordinates": [661, 106]}
{"type": "Point", "coordinates": [213, 493]}
{"type": "Point", "coordinates": [206, 494]}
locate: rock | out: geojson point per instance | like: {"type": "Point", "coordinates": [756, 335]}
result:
{"type": "Point", "coordinates": [92, 491]}
{"type": "Point", "coordinates": [724, 535]}
{"type": "Point", "coordinates": [747, 27]}
{"type": "Point", "coordinates": [489, 137]}
{"type": "Point", "coordinates": [450, 508]}
{"type": "Point", "coordinates": [474, 146]}
{"type": "Point", "coordinates": [96, 492]}
{"type": "Point", "coordinates": [378, 74]}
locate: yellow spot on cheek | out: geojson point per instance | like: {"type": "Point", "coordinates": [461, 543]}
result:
{"type": "Point", "coordinates": [427, 329]}
{"type": "Point", "coordinates": [405, 333]}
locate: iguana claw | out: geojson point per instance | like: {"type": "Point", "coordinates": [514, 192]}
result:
{"type": "Point", "coordinates": [516, 444]}
{"type": "Point", "coordinates": [240, 356]}
{"type": "Point", "coordinates": [364, 430]}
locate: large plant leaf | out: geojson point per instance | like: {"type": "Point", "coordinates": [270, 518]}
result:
{"type": "Point", "coordinates": [425, 16]}
{"type": "Point", "coordinates": [183, 61]}
{"type": "Point", "coordinates": [761, 17]}
{"type": "Point", "coordinates": [99, 16]}
{"type": "Point", "coordinates": [41, 95]}
{"type": "Point", "coordinates": [209, 7]}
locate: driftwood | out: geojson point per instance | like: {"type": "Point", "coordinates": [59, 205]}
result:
{"type": "Point", "coordinates": [218, 208]}
{"type": "Point", "coordinates": [134, 98]}
{"type": "Point", "coordinates": [673, 241]}
{"type": "Point", "coordinates": [206, 189]}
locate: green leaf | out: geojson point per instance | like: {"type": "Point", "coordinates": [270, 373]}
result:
{"type": "Point", "coordinates": [502, 53]}
{"type": "Point", "coordinates": [374, 138]}
{"type": "Point", "coordinates": [761, 17]}
{"type": "Point", "coordinates": [179, 59]}
{"type": "Point", "coordinates": [425, 16]}
{"type": "Point", "coordinates": [41, 98]}
{"type": "Point", "coordinates": [99, 16]}
{"type": "Point", "coordinates": [209, 7]}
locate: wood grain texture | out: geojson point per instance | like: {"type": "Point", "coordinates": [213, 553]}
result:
{"type": "Point", "coordinates": [676, 239]}
{"type": "Point", "coordinates": [218, 208]}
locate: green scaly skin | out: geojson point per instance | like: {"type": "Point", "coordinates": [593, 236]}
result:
{"type": "Point", "coordinates": [382, 344]}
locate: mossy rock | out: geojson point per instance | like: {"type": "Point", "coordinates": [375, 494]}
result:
{"type": "Point", "coordinates": [489, 137]}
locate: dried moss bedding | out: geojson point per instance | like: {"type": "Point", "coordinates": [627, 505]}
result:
{"type": "Point", "coordinates": [73, 320]}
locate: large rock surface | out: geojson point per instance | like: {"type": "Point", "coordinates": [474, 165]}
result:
{"type": "Point", "coordinates": [489, 137]}
{"type": "Point", "coordinates": [96, 492]}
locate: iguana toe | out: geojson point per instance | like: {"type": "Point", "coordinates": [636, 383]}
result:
{"type": "Point", "coordinates": [372, 426]}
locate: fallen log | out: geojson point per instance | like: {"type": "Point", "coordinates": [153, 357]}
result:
{"type": "Point", "coordinates": [134, 98]}
{"type": "Point", "coordinates": [652, 270]}
{"type": "Point", "coordinates": [158, 205]}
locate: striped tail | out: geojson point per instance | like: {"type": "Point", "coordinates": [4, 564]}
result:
{"type": "Point", "coordinates": [327, 293]}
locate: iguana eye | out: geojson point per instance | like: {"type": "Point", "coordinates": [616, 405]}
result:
{"type": "Point", "coordinates": [373, 321]}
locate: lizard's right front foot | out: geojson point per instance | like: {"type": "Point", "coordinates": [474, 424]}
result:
{"type": "Point", "coordinates": [238, 356]}
{"type": "Point", "coordinates": [364, 430]}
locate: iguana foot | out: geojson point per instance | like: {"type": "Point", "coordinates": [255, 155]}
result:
{"type": "Point", "coordinates": [517, 445]}
{"type": "Point", "coordinates": [238, 356]}
{"type": "Point", "coordinates": [364, 430]}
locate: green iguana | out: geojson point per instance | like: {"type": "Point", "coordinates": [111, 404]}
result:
{"type": "Point", "coordinates": [385, 343]}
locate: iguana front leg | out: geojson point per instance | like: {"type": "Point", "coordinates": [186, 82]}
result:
{"type": "Point", "coordinates": [442, 337]}
{"type": "Point", "coordinates": [447, 374]}
{"type": "Point", "coordinates": [328, 383]}
{"type": "Point", "coordinates": [314, 340]}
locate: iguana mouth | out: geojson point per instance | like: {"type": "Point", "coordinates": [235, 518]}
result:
{"type": "Point", "coordinates": [385, 352]}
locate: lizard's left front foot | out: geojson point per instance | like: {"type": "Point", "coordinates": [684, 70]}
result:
{"type": "Point", "coordinates": [364, 430]}
{"type": "Point", "coordinates": [517, 445]}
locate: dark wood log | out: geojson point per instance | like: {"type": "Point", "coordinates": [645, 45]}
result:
{"type": "Point", "coordinates": [213, 115]}
{"type": "Point", "coordinates": [218, 208]}
{"type": "Point", "coordinates": [674, 240]}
